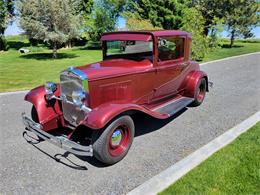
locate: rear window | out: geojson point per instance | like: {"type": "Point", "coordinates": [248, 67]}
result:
{"type": "Point", "coordinates": [170, 48]}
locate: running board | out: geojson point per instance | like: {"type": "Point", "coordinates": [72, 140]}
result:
{"type": "Point", "coordinates": [175, 106]}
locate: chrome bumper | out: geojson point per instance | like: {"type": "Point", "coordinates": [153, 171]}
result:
{"type": "Point", "coordinates": [60, 141]}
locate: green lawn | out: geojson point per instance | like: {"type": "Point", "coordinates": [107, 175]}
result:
{"type": "Point", "coordinates": [234, 169]}
{"type": "Point", "coordinates": [239, 49]}
{"type": "Point", "coordinates": [25, 71]}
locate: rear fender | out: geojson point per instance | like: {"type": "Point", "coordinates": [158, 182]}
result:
{"type": "Point", "coordinates": [101, 115]}
{"type": "Point", "coordinates": [191, 82]}
{"type": "Point", "coordinates": [49, 113]}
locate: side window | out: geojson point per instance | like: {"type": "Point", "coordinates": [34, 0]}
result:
{"type": "Point", "coordinates": [170, 48]}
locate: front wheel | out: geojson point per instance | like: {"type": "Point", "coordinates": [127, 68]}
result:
{"type": "Point", "coordinates": [200, 92]}
{"type": "Point", "coordinates": [35, 118]}
{"type": "Point", "coordinates": [111, 145]}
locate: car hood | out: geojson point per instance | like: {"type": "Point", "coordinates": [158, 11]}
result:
{"type": "Point", "coordinates": [115, 67]}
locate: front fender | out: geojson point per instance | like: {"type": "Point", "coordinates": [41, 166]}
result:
{"type": "Point", "coordinates": [49, 114]}
{"type": "Point", "coordinates": [191, 82]}
{"type": "Point", "coordinates": [101, 116]}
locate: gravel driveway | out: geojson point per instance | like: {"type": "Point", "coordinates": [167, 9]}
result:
{"type": "Point", "coordinates": [44, 168]}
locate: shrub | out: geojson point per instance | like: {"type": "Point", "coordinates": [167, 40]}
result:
{"type": "Point", "coordinates": [3, 43]}
{"type": "Point", "coordinates": [193, 22]}
{"type": "Point", "coordinates": [94, 45]}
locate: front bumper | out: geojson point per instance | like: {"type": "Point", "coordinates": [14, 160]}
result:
{"type": "Point", "coordinates": [60, 141]}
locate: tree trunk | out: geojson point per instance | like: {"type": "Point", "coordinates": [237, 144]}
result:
{"type": "Point", "coordinates": [232, 38]}
{"type": "Point", "coordinates": [54, 53]}
{"type": "Point", "coordinates": [3, 43]}
{"type": "Point", "coordinates": [68, 44]}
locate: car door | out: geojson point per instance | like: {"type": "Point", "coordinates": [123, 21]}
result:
{"type": "Point", "coordinates": [170, 66]}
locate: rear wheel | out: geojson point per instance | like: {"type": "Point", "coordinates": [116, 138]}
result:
{"type": "Point", "coordinates": [112, 145]}
{"type": "Point", "coordinates": [200, 92]}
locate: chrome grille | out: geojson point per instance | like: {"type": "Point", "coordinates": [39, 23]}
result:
{"type": "Point", "coordinates": [71, 80]}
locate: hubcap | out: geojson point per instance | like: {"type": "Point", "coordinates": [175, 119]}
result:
{"type": "Point", "coordinates": [119, 140]}
{"type": "Point", "coordinates": [116, 137]}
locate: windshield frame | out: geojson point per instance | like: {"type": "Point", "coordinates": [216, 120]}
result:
{"type": "Point", "coordinates": [126, 55]}
{"type": "Point", "coordinates": [131, 34]}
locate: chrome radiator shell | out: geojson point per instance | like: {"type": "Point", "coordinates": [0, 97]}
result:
{"type": "Point", "coordinates": [72, 79]}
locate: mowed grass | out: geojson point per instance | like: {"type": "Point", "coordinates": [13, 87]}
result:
{"type": "Point", "coordinates": [25, 71]}
{"type": "Point", "coordinates": [238, 49]}
{"type": "Point", "coordinates": [235, 169]}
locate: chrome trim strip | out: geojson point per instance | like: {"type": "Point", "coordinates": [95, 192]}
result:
{"type": "Point", "coordinates": [60, 141]}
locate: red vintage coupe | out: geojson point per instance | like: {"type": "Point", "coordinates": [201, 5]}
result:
{"type": "Point", "coordinates": [147, 72]}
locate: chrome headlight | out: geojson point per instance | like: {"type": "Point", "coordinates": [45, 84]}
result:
{"type": "Point", "coordinates": [50, 88]}
{"type": "Point", "coordinates": [78, 97]}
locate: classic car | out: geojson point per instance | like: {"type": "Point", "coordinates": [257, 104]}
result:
{"type": "Point", "coordinates": [153, 75]}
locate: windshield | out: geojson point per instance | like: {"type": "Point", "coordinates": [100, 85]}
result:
{"type": "Point", "coordinates": [136, 50]}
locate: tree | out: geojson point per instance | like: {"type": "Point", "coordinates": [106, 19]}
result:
{"type": "Point", "coordinates": [139, 24]}
{"type": "Point", "coordinates": [53, 21]}
{"type": "Point", "coordinates": [6, 15]}
{"type": "Point", "coordinates": [212, 11]}
{"type": "Point", "coordinates": [166, 14]}
{"type": "Point", "coordinates": [135, 22]}
{"type": "Point", "coordinates": [241, 17]}
{"type": "Point", "coordinates": [214, 34]}
{"type": "Point", "coordinates": [193, 22]}
{"type": "Point", "coordinates": [86, 6]}
{"type": "Point", "coordinates": [103, 18]}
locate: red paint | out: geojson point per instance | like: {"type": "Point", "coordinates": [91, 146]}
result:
{"type": "Point", "coordinates": [101, 115]}
{"type": "Point", "coordinates": [50, 116]}
{"type": "Point", "coordinates": [191, 82]}
{"type": "Point", "coordinates": [120, 85]}
{"type": "Point", "coordinates": [125, 36]}
{"type": "Point", "coordinates": [113, 68]}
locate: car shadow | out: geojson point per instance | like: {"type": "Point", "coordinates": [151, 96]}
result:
{"type": "Point", "coordinates": [60, 158]}
{"type": "Point", "coordinates": [144, 124]}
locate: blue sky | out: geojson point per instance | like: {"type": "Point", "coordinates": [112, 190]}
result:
{"type": "Point", "coordinates": [14, 29]}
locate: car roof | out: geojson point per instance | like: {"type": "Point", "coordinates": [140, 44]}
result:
{"type": "Point", "coordinates": [155, 33]}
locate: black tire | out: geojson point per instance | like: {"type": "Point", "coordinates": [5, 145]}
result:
{"type": "Point", "coordinates": [35, 118]}
{"type": "Point", "coordinates": [200, 92]}
{"type": "Point", "coordinates": [102, 140]}
{"type": "Point", "coordinates": [34, 114]}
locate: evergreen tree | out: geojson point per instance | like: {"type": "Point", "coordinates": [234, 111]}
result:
{"type": "Point", "coordinates": [166, 14]}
